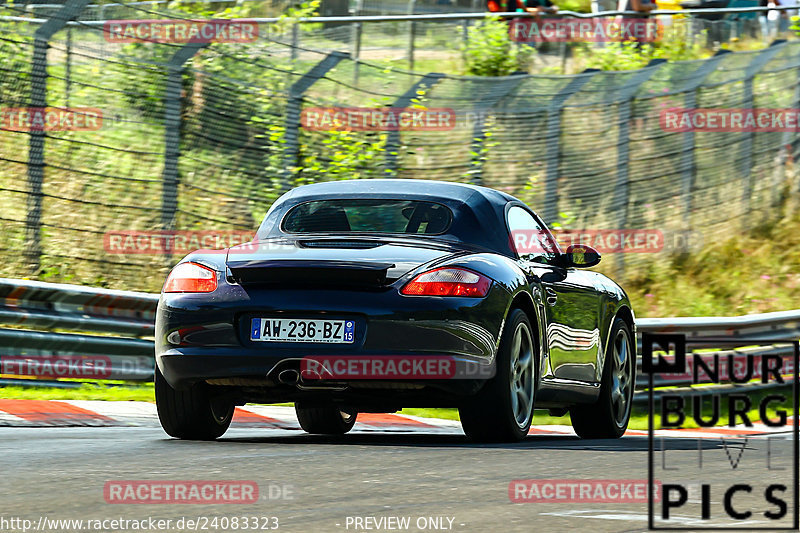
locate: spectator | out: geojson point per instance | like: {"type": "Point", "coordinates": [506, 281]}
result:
{"type": "Point", "coordinates": [538, 6]}
{"type": "Point", "coordinates": [769, 19]}
{"type": "Point", "coordinates": [501, 6]}
{"type": "Point", "coordinates": [642, 6]}
{"type": "Point", "coordinates": [531, 6]}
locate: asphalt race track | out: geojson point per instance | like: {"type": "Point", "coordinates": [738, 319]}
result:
{"type": "Point", "coordinates": [315, 483]}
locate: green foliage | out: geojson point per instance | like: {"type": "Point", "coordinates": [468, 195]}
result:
{"type": "Point", "coordinates": [615, 56]}
{"type": "Point", "coordinates": [630, 55]}
{"type": "Point", "coordinates": [489, 51]}
{"type": "Point", "coordinates": [144, 86]}
{"type": "Point", "coordinates": [729, 276]}
{"type": "Point", "coordinates": [16, 52]}
{"type": "Point", "coordinates": [342, 155]}
{"type": "Point", "coordinates": [304, 10]}
{"type": "Point", "coordinates": [579, 6]}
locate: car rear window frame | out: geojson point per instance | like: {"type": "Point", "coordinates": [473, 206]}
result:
{"type": "Point", "coordinates": [452, 217]}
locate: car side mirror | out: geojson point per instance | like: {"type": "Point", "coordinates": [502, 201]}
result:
{"type": "Point", "coordinates": [580, 256]}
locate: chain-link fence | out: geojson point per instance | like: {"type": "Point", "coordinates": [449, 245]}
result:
{"type": "Point", "coordinates": [145, 139]}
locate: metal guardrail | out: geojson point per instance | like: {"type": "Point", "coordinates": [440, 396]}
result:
{"type": "Point", "coordinates": [39, 312]}
{"type": "Point", "coordinates": [453, 17]}
{"type": "Point", "coordinates": [754, 331]}
{"type": "Point", "coordinates": [720, 25]}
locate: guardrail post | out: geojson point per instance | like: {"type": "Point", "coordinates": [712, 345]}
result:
{"type": "Point", "coordinates": [393, 139]}
{"type": "Point", "coordinates": [621, 189]}
{"type": "Point", "coordinates": [357, 31]}
{"type": "Point", "coordinates": [412, 29]}
{"type": "Point", "coordinates": [553, 142]}
{"type": "Point", "coordinates": [504, 87]}
{"type": "Point", "coordinates": [688, 163]}
{"type": "Point", "coordinates": [172, 135]}
{"type": "Point", "coordinates": [33, 222]}
{"type": "Point", "coordinates": [755, 66]}
{"type": "Point", "coordinates": [293, 108]}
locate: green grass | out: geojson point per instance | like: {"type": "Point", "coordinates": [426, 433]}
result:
{"type": "Point", "coordinates": [144, 392]}
{"type": "Point", "coordinates": [750, 272]}
{"type": "Point", "coordinates": [139, 393]}
{"type": "Point", "coordinates": [639, 416]}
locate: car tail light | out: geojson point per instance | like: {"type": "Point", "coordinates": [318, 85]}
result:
{"type": "Point", "coordinates": [191, 277]}
{"type": "Point", "coordinates": [448, 281]}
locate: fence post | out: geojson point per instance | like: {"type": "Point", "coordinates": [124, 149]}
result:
{"type": "Point", "coordinates": [293, 107]}
{"type": "Point", "coordinates": [295, 41]}
{"type": "Point", "coordinates": [68, 73]}
{"type": "Point", "coordinates": [393, 138]}
{"type": "Point", "coordinates": [753, 68]}
{"type": "Point", "coordinates": [621, 190]}
{"type": "Point", "coordinates": [553, 142]}
{"type": "Point", "coordinates": [357, 31]}
{"type": "Point", "coordinates": [688, 160]}
{"type": "Point", "coordinates": [33, 222]}
{"type": "Point", "coordinates": [505, 86]}
{"type": "Point", "coordinates": [172, 136]}
{"type": "Point", "coordinates": [789, 138]}
{"type": "Point", "coordinates": [464, 39]}
{"type": "Point", "coordinates": [412, 28]}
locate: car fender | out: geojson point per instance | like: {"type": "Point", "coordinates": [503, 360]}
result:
{"type": "Point", "coordinates": [614, 301]}
{"type": "Point", "coordinates": [507, 274]}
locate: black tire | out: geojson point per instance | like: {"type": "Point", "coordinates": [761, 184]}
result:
{"type": "Point", "coordinates": [328, 420]}
{"type": "Point", "coordinates": [491, 415]}
{"type": "Point", "coordinates": [192, 414]}
{"type": "Point", "coordinates": [608, 418]}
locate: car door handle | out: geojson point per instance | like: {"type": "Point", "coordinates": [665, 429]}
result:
{"type": "Point", "coordinates": [552, 296]}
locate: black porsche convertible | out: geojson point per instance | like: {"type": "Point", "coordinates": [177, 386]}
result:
{"type": "Point", "coordinates": [377, 295]}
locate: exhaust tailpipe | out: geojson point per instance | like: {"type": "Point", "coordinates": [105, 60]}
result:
{"type": "Point", "coordinates": [289, 377]}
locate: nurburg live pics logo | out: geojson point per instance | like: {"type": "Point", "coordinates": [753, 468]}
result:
{"type": "Point", "coordinates": [753, 488]}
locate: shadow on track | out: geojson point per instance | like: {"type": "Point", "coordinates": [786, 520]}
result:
{"type": "Point", "coordinates": [534, 442]}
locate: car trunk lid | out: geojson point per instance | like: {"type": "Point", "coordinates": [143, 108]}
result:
{"type": "Point", "coordinates": [334, 262]}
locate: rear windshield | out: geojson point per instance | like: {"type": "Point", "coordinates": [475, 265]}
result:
{"type": "Point", "coordinates": [368, 216]}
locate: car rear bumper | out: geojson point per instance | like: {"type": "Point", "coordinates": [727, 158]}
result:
{"type": "Point", "coordinates": [199, 339]}
{"type": "Point", "coordinates": [185, 367]}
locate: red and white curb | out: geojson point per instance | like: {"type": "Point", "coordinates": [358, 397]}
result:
{"type": "Point", "coordinates": [49, 413]}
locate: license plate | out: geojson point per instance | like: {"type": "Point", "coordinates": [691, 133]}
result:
{"type": "Point", "coordinates": [302, 330]}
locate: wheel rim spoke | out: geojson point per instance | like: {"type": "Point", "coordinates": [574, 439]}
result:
{"type": "Point", "coordinates": [516, 344]}
{"type": "Point", "coordinates": [524, 403]}
{"type": "Point", "coordinates": [514, 402]}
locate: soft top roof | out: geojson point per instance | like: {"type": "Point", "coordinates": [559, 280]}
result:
{"type": "Point", "coordinates": [478, 212]}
